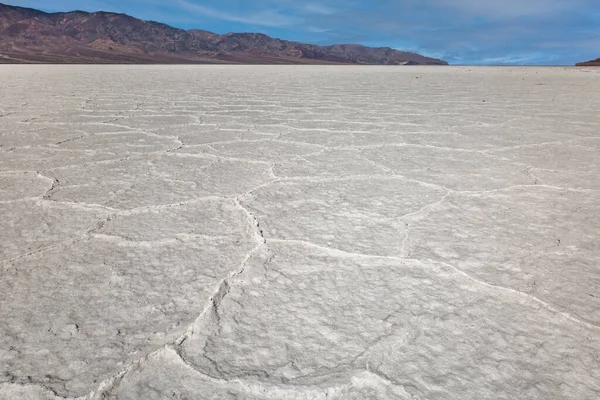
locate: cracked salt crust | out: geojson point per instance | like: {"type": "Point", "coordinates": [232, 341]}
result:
{"type": "Point", "coordinates": [351, 233]}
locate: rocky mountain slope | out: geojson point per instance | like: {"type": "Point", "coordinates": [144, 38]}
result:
{"type": "Point", "coordinates": [593, 63]}
{"type": "Point", "coordinates": [28, 35]}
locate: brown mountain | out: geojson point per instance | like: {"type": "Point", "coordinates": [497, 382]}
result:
{"type": "Point", "coordinates": [28, 35]}
{"type": "Point", "coordinates": [593, 63]}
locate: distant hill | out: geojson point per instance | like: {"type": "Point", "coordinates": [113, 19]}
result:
{"type": "Point", "coordinates": [593, 63]}
{"type": "Point", "coordinates": [33, 36]}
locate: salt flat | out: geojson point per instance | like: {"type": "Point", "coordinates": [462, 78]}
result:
{"type": "Point", "coordinates": [260, 232]}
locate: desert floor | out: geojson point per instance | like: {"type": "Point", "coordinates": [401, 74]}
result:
{"type": "Point", "coordinates": [240, 232]}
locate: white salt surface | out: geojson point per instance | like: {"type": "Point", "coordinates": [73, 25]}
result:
{"type": "Point", "coordinates": [299, 233]}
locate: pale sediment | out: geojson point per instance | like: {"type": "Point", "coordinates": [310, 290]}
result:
{"type": "Point", "coordinates": [299, 233]}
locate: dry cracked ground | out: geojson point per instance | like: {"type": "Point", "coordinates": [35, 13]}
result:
{"type": "Point", "coordinates": [299, 233]}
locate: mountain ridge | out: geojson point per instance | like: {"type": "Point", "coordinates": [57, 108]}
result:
{"type": "Point", "coordinates": [32, 36]}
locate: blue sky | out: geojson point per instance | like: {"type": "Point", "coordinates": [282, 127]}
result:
{"type": "Point", "coordinates": [459, 31]}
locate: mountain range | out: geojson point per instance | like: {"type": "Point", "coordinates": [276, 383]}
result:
{"type": "Point", "coordinates": [33, 36]}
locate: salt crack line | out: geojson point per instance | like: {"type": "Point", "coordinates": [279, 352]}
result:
{"type": "Point", "coordinates": [219, 157]}
{"type": "Point", "coordinates": [354, 378]}
{"type": "Point", "coordinates": [428, 206]}
{"type": "Point", "coordinates": [534, 186]}
{"type": "Point", "coordinates": [161, 207]}
{"type": "Point", "coordinates": [79, 204]}
{"type": "Point", "coordinates": [221, 291]}
{"type": "Point", "coordinates": [333, 251]}
{"type": "Point", "coordinates": [39, 251]}
{"type": "Point", "coordinates": [519, 293]}
{"type": "Point", "coordinates": [96, 226]}
{"type": "Point", "coordinates": [29, 386]}
{"type": "Point", "coordinates": [21, 200]}
{"type": "Point", "coordinates": [250, 192]}
{"type": "Point", "coordinates": [422, 210]}
{"type": "Point", "coordinates": [342, 253]}
{"type": "Point", "coordinates": [358, 377]}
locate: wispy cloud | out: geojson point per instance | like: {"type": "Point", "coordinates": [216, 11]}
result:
{"type": "Point", "coordinates": [316, 8]}
{"type": "Point", "coordinates": [512, 59]}
{"type": "Point", "coordinates": [510, 8]}
{"type": "Point", "coordinates": [267, 17]}
{"type": "Point", "coordinates": [316, 29]}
